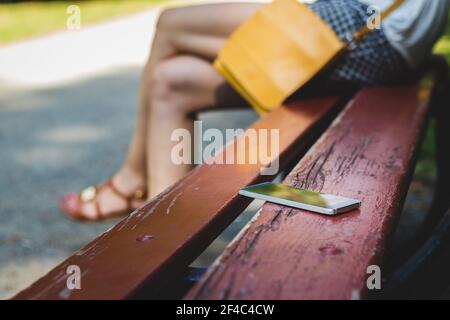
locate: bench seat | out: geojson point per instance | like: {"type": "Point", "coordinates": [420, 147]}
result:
{"type": "Point", "coordinates": [156, 244]}
{"type": "Point", "coordinates": [368, 153]}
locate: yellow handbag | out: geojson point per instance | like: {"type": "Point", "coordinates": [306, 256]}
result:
{"type": "Point", "coordinates": [280, 48]}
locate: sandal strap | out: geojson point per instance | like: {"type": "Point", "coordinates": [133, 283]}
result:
{"type": "Point", "coordinates": [119, 193]}
{"type": "Point", "coordinates": [138, 195]}
{"type": "Point", "coordinates": [98, 211]}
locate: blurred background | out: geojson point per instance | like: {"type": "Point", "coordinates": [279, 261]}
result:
{"type": "Point", "coordinates": [68, 96]}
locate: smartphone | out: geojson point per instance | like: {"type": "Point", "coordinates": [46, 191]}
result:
{"type": "Point", "coordinates": [300, 198]}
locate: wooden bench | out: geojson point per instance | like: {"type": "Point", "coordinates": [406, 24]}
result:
{"type": "Point", "coordinates": [368, 152]}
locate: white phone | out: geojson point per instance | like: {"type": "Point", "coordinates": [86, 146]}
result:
{"type": "Point", "coordinates": [300, 198]}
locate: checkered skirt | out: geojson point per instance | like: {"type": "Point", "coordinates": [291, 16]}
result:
{"type": "Point", "coordinates": [374, 61]}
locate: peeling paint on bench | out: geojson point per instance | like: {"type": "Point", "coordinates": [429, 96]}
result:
{"type": "Point", "coordinates": [181, 222]}
{"type": "Point", "coordinates": [369, 154]}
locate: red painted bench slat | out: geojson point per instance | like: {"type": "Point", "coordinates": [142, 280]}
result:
{"type": "Point", "coordinates": [369, 154]}
{"type": "Point", "coordinates": [182, 221]}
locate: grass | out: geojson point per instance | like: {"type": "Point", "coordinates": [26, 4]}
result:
{"type": "Point", "coordinates": [29, 19]}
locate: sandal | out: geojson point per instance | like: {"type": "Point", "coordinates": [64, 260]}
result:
{"type": "Point", "coordinates": [89, 195]}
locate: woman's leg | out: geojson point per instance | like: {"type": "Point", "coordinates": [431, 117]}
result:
{"type": "Point", "coordinates": [186, 85]}
{"type": "Point", "coordinates": [183, 80]}
{"type": "Point", "coordinates": [133, 172]}
{"type": "Point", "coordinates": [198, 31]}
{"type": "Point", "coordinates": [178, 80]}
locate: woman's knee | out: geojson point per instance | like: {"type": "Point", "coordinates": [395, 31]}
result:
{"type": "Point", "coordinates": [169, 18]}
{"type": "Point", "coordinates": [167, 84]}
{"type": "Point", "coordinates": [218, 19]}
{"type": "Point", "coordinates": [183, 84]}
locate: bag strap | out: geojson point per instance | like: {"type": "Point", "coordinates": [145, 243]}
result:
{"type": "Point", "coordinates": [365, 30]}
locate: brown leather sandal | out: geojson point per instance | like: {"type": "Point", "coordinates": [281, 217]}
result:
{"type": "Point", "coordinates": [71, 204]}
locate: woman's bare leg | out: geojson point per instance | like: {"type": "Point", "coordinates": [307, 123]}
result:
{"type": "Point", "coordinates": [133, 173]}
{"type": "Point", "coordinates": [184, 80]}
{"type": "Point", "coordinates": [178, 80]}
{"type": "Point", "coordinates": [187, 86]}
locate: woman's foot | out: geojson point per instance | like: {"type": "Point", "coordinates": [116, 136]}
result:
{"type": "Point", "coordinates": [117, 197]}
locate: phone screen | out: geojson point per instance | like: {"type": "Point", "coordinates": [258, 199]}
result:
{"type": "Point", "coordinates": [298, 195]}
